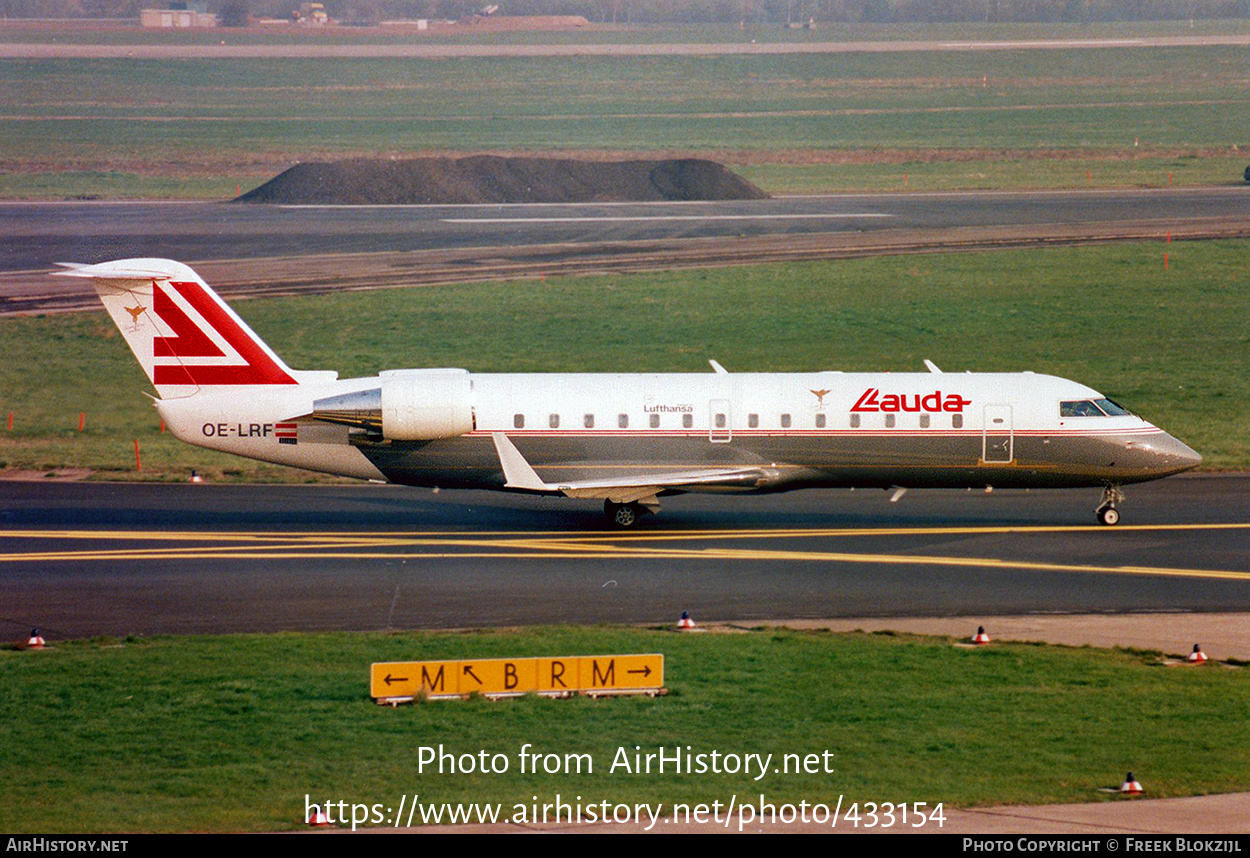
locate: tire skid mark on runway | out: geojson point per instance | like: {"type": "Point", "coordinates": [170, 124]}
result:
{"type": "Point", "coordinates": [554, 545]}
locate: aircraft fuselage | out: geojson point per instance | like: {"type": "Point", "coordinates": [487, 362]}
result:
{"type": "Point", "coordinates": [803, 429]}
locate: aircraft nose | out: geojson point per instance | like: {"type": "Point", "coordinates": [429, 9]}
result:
{"type": "Point", "coordinates": [1171, 456]}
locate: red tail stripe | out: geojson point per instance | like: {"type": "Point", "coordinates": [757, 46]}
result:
{"type": "Point", "coordinates": [259, 367]}
{"type": "Point", "coordinates": [188, 340]}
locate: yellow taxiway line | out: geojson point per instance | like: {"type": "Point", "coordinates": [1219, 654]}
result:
{"type": "Point", "coordinates": [548, 545]}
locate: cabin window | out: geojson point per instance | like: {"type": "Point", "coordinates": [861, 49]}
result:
{"type": "Point", "coordinates": [785, 421]}
{"type": "Point", "coordinates": [820, 421]}
{"type": "Point", "coordinates": [720, 421]}
{"type": "Point", "coordinates": [957, 421]}
{"type": "Point", "coordinates": [518, 421]}
{"type": "Point", "coordinates": [687, 420]}
{"type": "Point", "coordinates": [854, 421]}
{"type": "Point", "coordinates": [753, 421]}
{"type": "Point", "coordinates": [889, 421]}
{"type": "Point", "coordinates": [553, 420]}
{"type": "Point", "coordinates": [589, 421]}
{"type": "Point", "coordinates": [655, 421]}
{"type": "Point", "coordinates": [924, 421]}
{"type": "Point", "coordinates": [622, 420]}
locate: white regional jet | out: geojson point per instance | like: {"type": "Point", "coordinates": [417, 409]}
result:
{"type": "Point", "coordinates": [625, 439]}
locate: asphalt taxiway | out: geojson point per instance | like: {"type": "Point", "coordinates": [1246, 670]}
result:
{"type": "Point", "coordinates": [92, 558]}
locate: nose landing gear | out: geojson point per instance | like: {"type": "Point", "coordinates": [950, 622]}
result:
{"type": "Point", "coordinates": [1106, 512]}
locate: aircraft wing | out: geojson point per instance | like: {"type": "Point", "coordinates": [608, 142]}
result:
{"type": "Point", "coordinates": [643, 488]}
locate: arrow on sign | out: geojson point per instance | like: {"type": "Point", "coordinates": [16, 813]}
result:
{"type": "Point", "coordinates": [388, 679]}
{"type": "Point", "coordinates": [645, 672]}
{"type": "Point", "coordinates": [468, 671]}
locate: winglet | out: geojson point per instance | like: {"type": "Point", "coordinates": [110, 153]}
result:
{"type": "Point", "coordinates": [517, 472]}
{"type": "Point", "coordinates": [717, 368]}
{"type": "Point", "coordinates": [931, 366]}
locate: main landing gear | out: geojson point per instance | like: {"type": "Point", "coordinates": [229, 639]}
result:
{"type": "Point", "coordinates": [623, 514]}
{"type": "Point", "coordinates": [1107, 513]}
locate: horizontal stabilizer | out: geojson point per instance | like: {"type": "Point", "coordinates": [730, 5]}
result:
{"type": "Point", "coordinates": [125, 269]}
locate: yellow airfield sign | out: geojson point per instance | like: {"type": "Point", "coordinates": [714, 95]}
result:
{"type": "Point", "coordinates": [592, 675]}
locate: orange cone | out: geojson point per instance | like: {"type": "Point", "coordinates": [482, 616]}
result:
{"type": "Point", "coordinates": [317, 817]}
{"type": "Point", "coordinates": [1197, 656]}
{"type": "Point", "coordinates": [980, 637]}
{"type": "Point", "coordinates": [1130, 785]}
{"type": "Point", "coordinates": [685, 622]}
{"type": "Point", "coordinates": [35, 641]}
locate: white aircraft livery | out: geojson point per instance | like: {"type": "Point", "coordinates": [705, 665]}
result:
{"type": "Point", "coordinates": [625, 439]}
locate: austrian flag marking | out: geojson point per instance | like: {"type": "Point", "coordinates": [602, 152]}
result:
{"type": "Point", "coordinates": [286, 433]}
{"type": "Point", "coordinates": [934, 403]}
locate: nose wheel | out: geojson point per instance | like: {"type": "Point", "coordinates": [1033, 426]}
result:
{"type": "Point", "coordinates": [1106, 512]}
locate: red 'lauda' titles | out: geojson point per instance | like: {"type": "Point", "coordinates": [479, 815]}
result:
{"type": "Point", "coordinates": [872, 400]}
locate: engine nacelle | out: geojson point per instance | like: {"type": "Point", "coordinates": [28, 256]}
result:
{"type": "Point", "coordinates": [425, 404]}
{"type": "Point", "coordinates": [409, 405]}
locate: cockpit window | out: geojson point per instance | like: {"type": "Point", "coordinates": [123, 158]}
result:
{"type": "Point", "coordinates": [1111, 409]}
{"type": "Point", "coordinates": [1079, 408]}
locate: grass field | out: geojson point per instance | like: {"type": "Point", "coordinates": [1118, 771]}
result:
{"type": "Point", "coordinates": [231, 733]}
{"type": "Point", "coordinates": [1171, 344]}
{"type": "Point", "coordinates": [199, 128]}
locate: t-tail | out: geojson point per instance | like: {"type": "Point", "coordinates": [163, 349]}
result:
{"type": "Point", "coordinates": [219, 385]}
{"type": "Point", "coordinates": [185, 337]}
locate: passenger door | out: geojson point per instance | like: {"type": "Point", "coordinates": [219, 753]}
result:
{"type": "Point", "coordinates": [996, 438]}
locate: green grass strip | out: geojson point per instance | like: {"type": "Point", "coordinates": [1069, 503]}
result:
{"type": "Point", "coordinates": [231, 733]}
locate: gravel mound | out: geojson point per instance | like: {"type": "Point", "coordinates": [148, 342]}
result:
{"type": "Point", "coordinates": [493, 179]}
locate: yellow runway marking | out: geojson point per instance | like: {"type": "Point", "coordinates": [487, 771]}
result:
{"type": "Point", "coordinates": [547, 545]}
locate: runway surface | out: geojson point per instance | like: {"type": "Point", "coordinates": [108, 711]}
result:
{"type": "Point", "coordinates": [85, 559]}
{"type": "Point", "coordinates": [254, 249]}
{"type": "Point", "coordinates": [34, 235]}
{"type": "Point", "coordinates": [326, 49]}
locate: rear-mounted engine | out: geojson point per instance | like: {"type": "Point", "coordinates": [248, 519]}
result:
{"type": "Point", "coordinates": [410, 405]}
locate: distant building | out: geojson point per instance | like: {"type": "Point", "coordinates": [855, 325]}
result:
{"type": "Point", "coordinates": [310, 14]}
{"type": "Point", "coordinates": [181, 13]}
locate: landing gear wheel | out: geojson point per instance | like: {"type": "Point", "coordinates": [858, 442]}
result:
{"type": "Point", "coordinates": [1107, 513]}
{"type": "Point", "coordinates": [622, 514]}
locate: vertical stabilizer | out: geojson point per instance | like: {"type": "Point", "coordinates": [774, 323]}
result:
{"type": "Point", "coordinates": [185, 337]}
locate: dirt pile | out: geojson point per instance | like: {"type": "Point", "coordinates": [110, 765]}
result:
{"type": "Point", "coordinates": [493, 179]}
